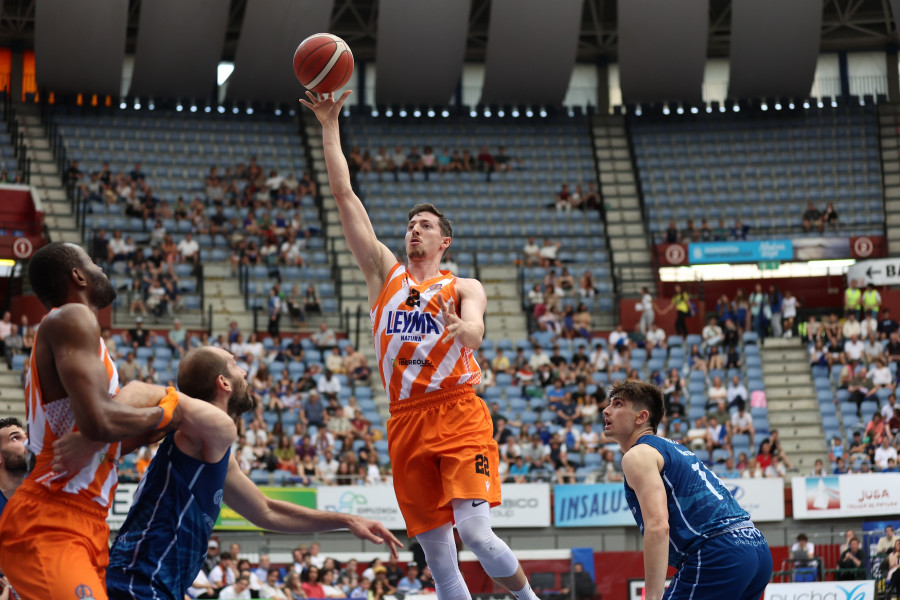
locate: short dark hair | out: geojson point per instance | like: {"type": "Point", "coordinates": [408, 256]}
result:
{"type": "Point", "coordinates": [644, 396]}
{"type": "Point", "coordinates": [11, 422]}
{"type": "Point", "coordinates": [198, 371]}
{"type": "Point", "coordinates": [49, 269]}
{"type": "Point", "coordinates": [446, 228]}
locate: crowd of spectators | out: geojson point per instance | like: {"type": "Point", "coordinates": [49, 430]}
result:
{"type": "Point", "coordinates": [309, 574]}
{"type": "Point", "coordinates": [15, 339]}
{"type": "Point", "coordinates": [429, 161]}
{"type": "Point", "coordinates": [705, 232]}
{"type": "Point", "coordinates": [254, 214]}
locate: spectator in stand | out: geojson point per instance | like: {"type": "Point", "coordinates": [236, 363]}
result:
{"type": "Point", "coordinates": [586, 286]}
{"type": "Point", "coordinates": [548, 253]}
{"type": "Point", "coordinates": [712, 334]}
{"type": "Point", "coordinates": [325, 338]}
{"type": "Point", "coordinates": [812, 219]}
{"type": "Point", "coordinates": [739, 231]}
{"type": "Point", "coordinates": [356, 366]}
{"type": "Point", "coordinates": [887, 325]}
{"type": "Point", "coordinates": [742, 423]}
{"type": "Point", "coordinates": [760, 311]}
{"type": "Point", "coordinates": [830, 217]}
{"type": "Point", "coordinates": [884, 453]}
{"type": "Point", "coordinates": [655, 337]}
{"type": "Point", "coordinates": [485, 161]}
{"type": "Point", "coordinates": [869, 327]}
{"type": "Point", "coordinates": [737, 393]}
{"type": "Point", "coordinates": [672, 236]}
{"type": "Point", "coordinates": [789, 306]}
{"type": "Point", "coordinates": [502, 161]}
{"type": "Point", "coordinates": [716, 392]}
{"type": "Point", "coordinates": [531, 253]}
{"type": "Point", "coordinates": [681, 302]}
{"type": "Point", "coordinates": [189, 249]}
{"type": "Point", "coordinates": [563, 201]}
{"type": "Point", "coordinates": [311, 302]}
{"type": "Point", "coordinates": [851, 563]}
{"type": "Point", "coordinates": [852, 299]}
{"type": "Point", "coordinates": [871, 300]}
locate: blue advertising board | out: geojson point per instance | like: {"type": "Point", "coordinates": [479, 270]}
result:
{"type": "Point", "coordinates": [740, 252]}
{"type": "Point", "coordinates": [590, 505]}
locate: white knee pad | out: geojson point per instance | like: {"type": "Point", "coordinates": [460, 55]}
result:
{"type": "Point", "coordinates": [473, 522]}
{"type": "Point", "coordinates": [440, 554]}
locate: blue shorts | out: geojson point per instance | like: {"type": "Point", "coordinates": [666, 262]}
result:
{"type": "Point", "coordinates": [735, 565]}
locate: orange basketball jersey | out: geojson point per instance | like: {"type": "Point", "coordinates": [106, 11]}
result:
{"type": "Point", "coordinates": [414, 356]}
{"type": "Point", "coordinates": [49, 421]}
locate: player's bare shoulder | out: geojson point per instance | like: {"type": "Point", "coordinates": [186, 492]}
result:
{"type": "Point", "coordinates": [469, 288]}
{"type": "Point", "coordinates": [68, 323]}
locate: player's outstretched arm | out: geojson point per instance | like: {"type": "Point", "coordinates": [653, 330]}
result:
{"type": "Point", "coordinates": [242, 495]}
{"type": "Point", "coordinates": [71, 334]}
{"type": "Point", "coordinates": [468, 325]}
{"type": "Point", "coordinates": [642, 472]}
{"type": "Point", "coordinates": [373, 257]}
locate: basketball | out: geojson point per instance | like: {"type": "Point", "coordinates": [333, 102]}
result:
{"type": "Point", "coordinates": [323, 63]}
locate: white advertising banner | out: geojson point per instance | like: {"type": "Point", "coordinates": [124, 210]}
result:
{"type": "Point", "coordinates": [121, 503]}
{"type": "Point", "coordinates": [372, 502]}
{"type": "Point", "coordinates": [524, 505]}
{"type": "Point", "coordinates": [762, 498]}
{"type": "Point", "coordinates": [846, 496]}
{"type": "Point", "coordinates": [825, 590]}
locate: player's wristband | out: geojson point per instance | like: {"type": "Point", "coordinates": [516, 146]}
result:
{"type": "Point", "coordinates": [168, 404]}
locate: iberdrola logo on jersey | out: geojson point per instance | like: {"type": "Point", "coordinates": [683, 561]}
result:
{"type": "Point", "coordinates": [411, 326]}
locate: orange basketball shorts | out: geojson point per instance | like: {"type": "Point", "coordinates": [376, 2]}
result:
{"type": "Point", "coordinates": [441, 447]}
{"type": "Point", "coordinates": [54, 548]}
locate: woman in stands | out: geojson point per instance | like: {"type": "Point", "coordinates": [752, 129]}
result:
{"type": "Point", "coordinates": [586, 286]}
{"type": "Point", "coordinates": [311, 301]}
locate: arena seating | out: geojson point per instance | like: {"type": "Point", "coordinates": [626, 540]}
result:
{"type": "Point", "coordinates": [495, 216]}
{"type": "Point", "coordinates": [761, 168]}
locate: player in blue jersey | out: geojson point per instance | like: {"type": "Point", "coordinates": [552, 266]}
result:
{"type": "Point", "coordinates": [13, 458]}
{"type": "Point", "coordinates": [163, 543]}
{"type": "Point", "coordinates": [688, 518]}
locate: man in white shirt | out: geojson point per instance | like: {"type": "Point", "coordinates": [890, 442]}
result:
{"type": "Point", "coordinates": [887, 409]}
{"type": "Point", "coordinates": [853, 348]}
{"type": "Point", "coordinates": [189, 249]}
{"type": "Point", "coordinates": [881, 375]}
{"type": "Point", "coordinates": [655, 337]}
{"type": "Point", "coordinates": [737, 393]}
{"type": "Point", "coordinates": [712, 335]}
{"type": "Point", "coordinates": [599, 358]}
{"type": "Point", "coordinates": [538, 359]}
{"type": "Point", "coordinates": [884, 452]}
{"type": "Point", "coordinates": [742, 423]}
{"type": "Point", "coordinates": [531, 252]}
{"type": "Point", "coordinates": [548, 252]}
{"type": "Point", "coordinates": [619, 335]}
{"type": "Point", "coordinates": [869, 327]}
{"type": "Point", "coordinates": [223, 573]}
{"type": "Point", "coordinates": [116, 247]}
{"type": "Point", "coordinates": [851, 327]}
{"type": "Point", "coordinates": [239, 590]}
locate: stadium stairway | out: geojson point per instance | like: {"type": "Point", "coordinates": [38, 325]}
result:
{"type": "Point", "coordinates": [625, 225]}
{"type": "Point", "coordinates": [889, 126]}
{"type": "Point", "coordinates": [12, 395]}
{"type": "Point", "coordinates": [45, 176]}
{"type": "Point", "coordinates": [792, 404]}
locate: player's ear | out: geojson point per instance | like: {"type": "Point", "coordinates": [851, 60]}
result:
{"type": "Point", "coordinates": [446, 242]}
{"type": "Point", "coordinates": [223, 383]}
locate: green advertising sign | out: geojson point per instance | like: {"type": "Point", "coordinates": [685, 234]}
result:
{"type": "Point", "coordinates": [229, 520]}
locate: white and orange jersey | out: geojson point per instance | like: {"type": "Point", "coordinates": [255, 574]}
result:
{"type": "Point", "coordinates": [47, 422]}
{"type": "Point", "coordinates": [414, 356]}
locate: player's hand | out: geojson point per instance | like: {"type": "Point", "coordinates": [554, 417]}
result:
{"type": "Point", "coordinates": [325, 106]}
{"type": "Point", "coordinates": [374, 531]}
{"type": "Point", "coordinates": [453, 323]}
{"type": "Point", "coordinates": [73, 452]}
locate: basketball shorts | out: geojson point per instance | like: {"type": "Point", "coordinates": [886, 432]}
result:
{"type": "Point", "coordinates": [441, 447]}
{"type": "Point", "coordinates": [54, 548]}
{"type": "Point", "coordinates": [735, 565]}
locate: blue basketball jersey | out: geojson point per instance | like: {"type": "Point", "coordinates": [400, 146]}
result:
{"type": "Point", "coordinates": [700, 507]}
{"type": "Point", "coordinates": [162, 545]}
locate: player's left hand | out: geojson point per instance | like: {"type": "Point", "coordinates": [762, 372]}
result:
{"type": "Point", "coordinates": [73, 452]}
{"type": "Point", "coordinates": [453, 323]}
{"type": "Point", "coordinates": [374, 531]}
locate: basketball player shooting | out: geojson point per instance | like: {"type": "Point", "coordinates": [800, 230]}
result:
{"type": "Point", "coordinates": [427, 324]}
